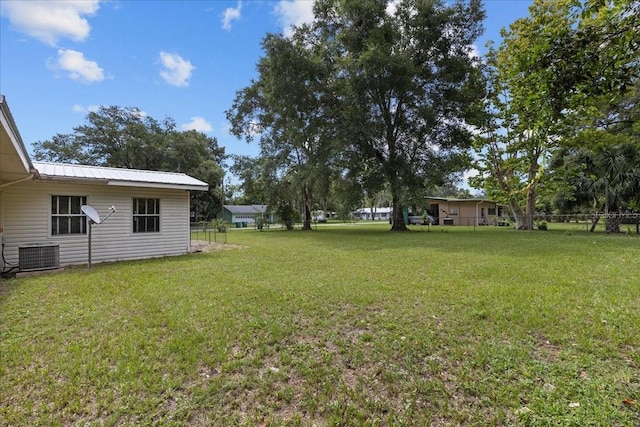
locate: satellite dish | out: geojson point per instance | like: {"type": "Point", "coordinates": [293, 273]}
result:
{"type": "Point", "coordinates": [95, 219]}
{"type": "Point", "coordinates": [91, 213]}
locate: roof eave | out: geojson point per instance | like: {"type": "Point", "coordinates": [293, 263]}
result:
{"type": "Point", "coordinates": [14, 135]}
{"type": "Point", "coordinates": [74, 180]}
{"type": "Point", "coordinates": [190, 187]}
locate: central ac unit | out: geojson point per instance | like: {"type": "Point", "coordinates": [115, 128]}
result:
{"type": "Point", "coordinates": [39, 256]}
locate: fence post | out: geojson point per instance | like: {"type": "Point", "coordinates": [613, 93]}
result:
{"type": "Point", "coordinates": [586, 223]}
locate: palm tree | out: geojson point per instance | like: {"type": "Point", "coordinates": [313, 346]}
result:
{"type": "Point", "coordinates": [618, 180]}
{"type": "Point", "coordinates": [608, 180]}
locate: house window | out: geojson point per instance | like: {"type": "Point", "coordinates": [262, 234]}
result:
{"type": "Point", "coordinates": [146, 215]}
{"type": "Point", "coordinates": [66, 215]}
{"type": "Point", "coordinates": [492, 209]}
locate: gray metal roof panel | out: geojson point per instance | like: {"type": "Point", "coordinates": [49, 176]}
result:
{"type": "Point", "coordinates": [118, 176]}
{"type": "Point", "coordinates": [246, 209]}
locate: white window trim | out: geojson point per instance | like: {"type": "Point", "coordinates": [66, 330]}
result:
{"type": "Point", "coordinates": [51, 215]}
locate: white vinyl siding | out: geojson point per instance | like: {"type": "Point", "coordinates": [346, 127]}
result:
{"type": "Point", "coordinates": [27, 213]}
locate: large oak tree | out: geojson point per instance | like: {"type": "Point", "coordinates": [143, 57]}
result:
{"type": "Point", "coordinates": [366, 85]}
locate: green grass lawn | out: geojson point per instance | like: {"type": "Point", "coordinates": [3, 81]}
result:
{"type": "Point", "coordinates": [347, 325]}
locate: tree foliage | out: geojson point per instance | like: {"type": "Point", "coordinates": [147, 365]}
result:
{"type": "Point", "coordinates": [597, 55]}
{"type": "Point", "coordinates": [598, 169]}
{"type": "Point", "coordinates": [549, 70]}
{"type": "Point", "coordinates": [368, 90]}
{"type": "Point", "coordinates": [285, 107]}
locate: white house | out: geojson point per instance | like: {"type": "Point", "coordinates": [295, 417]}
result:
{"type": "Point", "coordinates": [42, 224]}
{"type": "Point", "coordinates": [247, 214]}
{"type": "Point", "coordinates": [375, 214]}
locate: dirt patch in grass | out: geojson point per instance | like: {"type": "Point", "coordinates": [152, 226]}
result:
{"type": "Point", "coordinates": [204, 246]}
{"type": "Point", "coordinates": [546, 351]}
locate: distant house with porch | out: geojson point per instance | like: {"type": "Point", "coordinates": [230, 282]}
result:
{"type": "Point", "coordinates": [248, 214]}
{"type": "Point", "coordinates": [373, 214]}
{"type": "Point", "coordinates": [478, 211]}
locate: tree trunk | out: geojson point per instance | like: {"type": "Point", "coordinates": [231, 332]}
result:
{"type": "Point", "coordinates": [531, 205]}
{"type": "Point", "coordinates": [518, 213]}
{"type": "Point", "coordinates": [524, 217]}
{"type": "Point", "coordinates": [397, 217]}
{"type": "Point", "coordinates": [306, 194]}
{"type": "Point", "coordinates": [613, 223]}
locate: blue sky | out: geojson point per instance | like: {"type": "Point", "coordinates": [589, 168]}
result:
{"type": "Point", "coordinates": [179, 59]}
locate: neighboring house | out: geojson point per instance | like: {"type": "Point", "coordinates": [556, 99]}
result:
{"type": "Point", "coordinates": [322, 216]}
{"type": "Point", "coordinates": [447, 211]}
{"type": "Point", "coordinates": [246, 214]}
{"type": "Point", "coordinates": [375, 214]}
{"type": "Point", "coordinates": [42, 224]}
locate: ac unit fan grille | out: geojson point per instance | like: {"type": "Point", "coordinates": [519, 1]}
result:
{"type": "Point", "coordinates": [38, 257]}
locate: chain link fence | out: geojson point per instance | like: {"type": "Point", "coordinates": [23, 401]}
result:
{"type": "Point", "coordinates": [625, 222]}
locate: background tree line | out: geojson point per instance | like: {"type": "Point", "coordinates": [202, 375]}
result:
{"type": "Point", "coordinates": [366, 105]}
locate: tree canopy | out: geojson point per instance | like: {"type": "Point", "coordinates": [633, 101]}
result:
{"type": "Point", "coordinates": [286, 108]}
{"type": "Point", "coordinates": [393, 92]}
{"type": "Point", "coordinates": [549, 73]}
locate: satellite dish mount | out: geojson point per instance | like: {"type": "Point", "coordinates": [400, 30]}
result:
{"type": "Point", "coordinates": [94, 218]}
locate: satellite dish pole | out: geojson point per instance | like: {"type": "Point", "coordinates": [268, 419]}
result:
{"type": "Point", "coordinates": [94, 218]}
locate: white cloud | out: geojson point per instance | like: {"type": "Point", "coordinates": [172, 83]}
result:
{"type": "Point", "coordinates": [231, 14]}
{"type": "Point", "coordinates": [474, 53]}
{"type": "Point", "coordinates": [177, 71]}
{"type": "Point", "coordinates": [293, 12]}
{"type": "Point", "coordinates": [51, 20]}
{"type": "Point", "coordinates": [79, 108]}
{"type": "Point", "coordinates": [198, 124]}
{"type": "Point", "coordinates": [77, 66]}
{"type": "Point", "coordinates": [392, 7]}
{"type": "Point", "coordinates": [469, 173]}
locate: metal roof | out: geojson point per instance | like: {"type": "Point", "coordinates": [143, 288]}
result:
{"type": "Point", "coordinates": [379, 210]}
{"type": "Point", "coordinates": [118, 176]}
{"type": "Point", "coordinates": [448, 199]}
{"type": "Point", "coordinates": [246, 209]}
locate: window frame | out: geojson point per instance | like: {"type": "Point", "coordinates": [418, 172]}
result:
{"type": "Point", "coordinates": [140, 223]}
{"type": "Point", "coordinates": [57, 215]}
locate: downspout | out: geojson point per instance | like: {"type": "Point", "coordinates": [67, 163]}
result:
{"type": "Point", "coordinates": [3, 264]}
{"type": "Point", "coordinates": [32, 174]}
{"type": "Point", "coordinates": [478, 204]}
{"type": "Point", "coordinates": [18, 181]}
